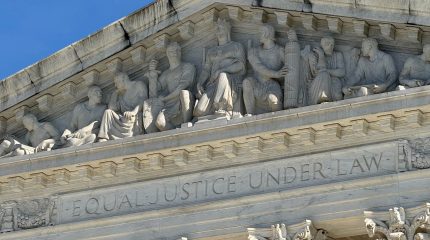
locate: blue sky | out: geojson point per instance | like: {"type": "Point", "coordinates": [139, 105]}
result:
{"type": "Point", "coordinates": [31, 30]}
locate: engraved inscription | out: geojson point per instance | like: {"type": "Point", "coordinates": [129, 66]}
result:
{"type": "Point", "coordinates": [277, 175]}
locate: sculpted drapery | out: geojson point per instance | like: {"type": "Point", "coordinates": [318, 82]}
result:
{"type": "Point", "coordinates": [123, 118]}
{"type": "Point", "coordinates": [218, 87]}
{"type": "Point", "coordinates": [375, 72]}
{"type": "Point", "coordinates": [171, 100]}
{"type": "Point", "coordinates": [262, 93]}
{"type": "Point", "coordinates": [279, 78]}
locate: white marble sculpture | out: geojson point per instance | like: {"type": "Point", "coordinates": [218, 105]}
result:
{"type": "Point", "coordinates": [294, 89]}
{"type": "Point", "coordinates": [262, 93]}
{"type": "Point", "coordinates": [41, 136]}
{"type": "Point", "coordinates": [375, 72]}
{"type": "Point", "coordinates": [123, 118]}
{"type": "Point", "coordinates": [218, 87]}
{"type": "Point", "coordinates": [171, 101]}
{"type": "Point", "coordinates": [327, 68]}
{"type": "Point", "coordinates": [416, 71]}
{"type": "Point", "coordinates": [85, 122]}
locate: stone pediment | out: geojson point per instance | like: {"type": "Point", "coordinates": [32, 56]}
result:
{"type": "Point", "coordinates": [345, 145]}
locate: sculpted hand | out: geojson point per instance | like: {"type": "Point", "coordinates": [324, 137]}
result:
{"type": "Point", "coordinates": [78, 134]}
{"type": "Point", "coordinates": [415, 83]}
{"type": "Point", "coordinates": [45, 145]}
{"type": "Point", "coordinates": [152, 74]}
{"type": "Point", "coordinates": [318, 51]}
{"type": "Point", "coordinates": [200, 90]}
{"type": "Point", "coordinates": [347, 90]}
{"type": "Point", "coordinates": [379, 88]}
{"type": "Point", "coordinates": [282, 72]}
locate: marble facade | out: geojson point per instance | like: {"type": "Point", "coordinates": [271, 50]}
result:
{"type": "Point", "coordinates": [225, 119]}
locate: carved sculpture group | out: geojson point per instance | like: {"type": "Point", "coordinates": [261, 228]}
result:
{"type": "Point", "coordinates": [279, 78]}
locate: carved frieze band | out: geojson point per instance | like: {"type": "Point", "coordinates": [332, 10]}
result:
{"type": "Point", "coordinates": [330, 76]}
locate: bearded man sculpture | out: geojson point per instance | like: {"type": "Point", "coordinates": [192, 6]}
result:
{"type": "Point", "coordinates": [375, 72]}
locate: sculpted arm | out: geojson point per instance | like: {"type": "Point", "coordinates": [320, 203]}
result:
{"type": "Point", "coordinates": [238, 63]}
{"type": "Point", "coordinates": [187, 78]}
{"type": "Point", "coordinates": [354, 79]}
{"type": "Point", "coordinates": [258, 66]}
{"type": "Point", "coordinates": [391, 71]}
{"type": "Point", "coordinates": [206, 68]}
{"type": "Point", "coordinates": [142, 95]}
{"type": "Point", "coordinates": [48, 144]}
{"type": "Point", "coordinates": [358, 74]}
{"type": "Point", "coordinates": [74, 122]}
{"type": "Point", "coordinates": [340, 70]}
{"type": "Point", "coordinates": [405, 73]}
{"type": "Point", "coordinates": [113, 102]}
{"type": "Point", "coordinates": [405, 76]}
{"type": "Point", "coordinates": [52, 131]}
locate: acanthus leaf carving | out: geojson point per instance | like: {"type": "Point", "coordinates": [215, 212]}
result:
{"type": "Point", "coordinates": [301, 231]}
{"type": "Point", "coordinates": [394, 224]}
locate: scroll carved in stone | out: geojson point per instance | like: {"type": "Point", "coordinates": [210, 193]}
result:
{"type": "Point", "coordinates": [171, 100]}
{"type": "Point", "coordinates": [300, 231]}
{"type": "Point", "coordinates": [416, 70]}
{"type": "Point", "coordinates": [21, 215]}
{"type": "Point", "coordinates": [41, 136]}
{"type": "Point", "coordinates": [394, 224]}
{"type": "Point", "coordinates": [123, 118]}
{"type": "Point", "coordinates": [375, 72]}
{"type": "Point", "coordinates": [262, 93]}
{"type": "Point", "coordinates": [218, 86]}
{"type": "Point", "coordinates": [85, 122]}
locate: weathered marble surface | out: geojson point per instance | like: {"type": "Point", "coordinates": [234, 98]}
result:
{"type": "Point", "coordinates": [171, 101]}
{"type": "Point", "coordinates": [85, 122]}
{"type": "Point", "coordinates": [230, 183]}
{"type": "Point", "coordinates": [211, 165]}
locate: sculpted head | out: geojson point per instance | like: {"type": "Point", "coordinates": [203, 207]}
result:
{"type": "Point", "coordinates": [426, 52]}
{"type": "Point", "coordinates": [267, 32]}
{"type": "Point", "coordinates": [95, 94]}
{"type": "Point", "coordinates": [173, 52]}
{"type": "Point", "coordinates": [369, 46]}
{"type": "Point", "coordinates": [223, 29]}
{"type": "Point", "coordinates": [327, 44]}
{"type": "Point", "coordinates": [121, 81]}
{"type": "Point", "coordinates": [29, 121]}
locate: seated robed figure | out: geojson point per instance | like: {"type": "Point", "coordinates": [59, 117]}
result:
{"type": "Point", "coordinates": [416, 71]}
{"type": "Point", "coordinates": [41, 136]}
{"type": "Point", "coordinates": [375, 72]}
{"type": "Point", "coordinates": [327, 70]}
{"type": "Point", "coordinates": [218, 86]}
{"type": "Point", "coordinates": [262, 93]}
{"type": "Point", "coordinates": [123, 118]}
{"type": "Point", "coordinates": [171, 101]}
{"type": "Point", "coordinates": [85, 122]}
